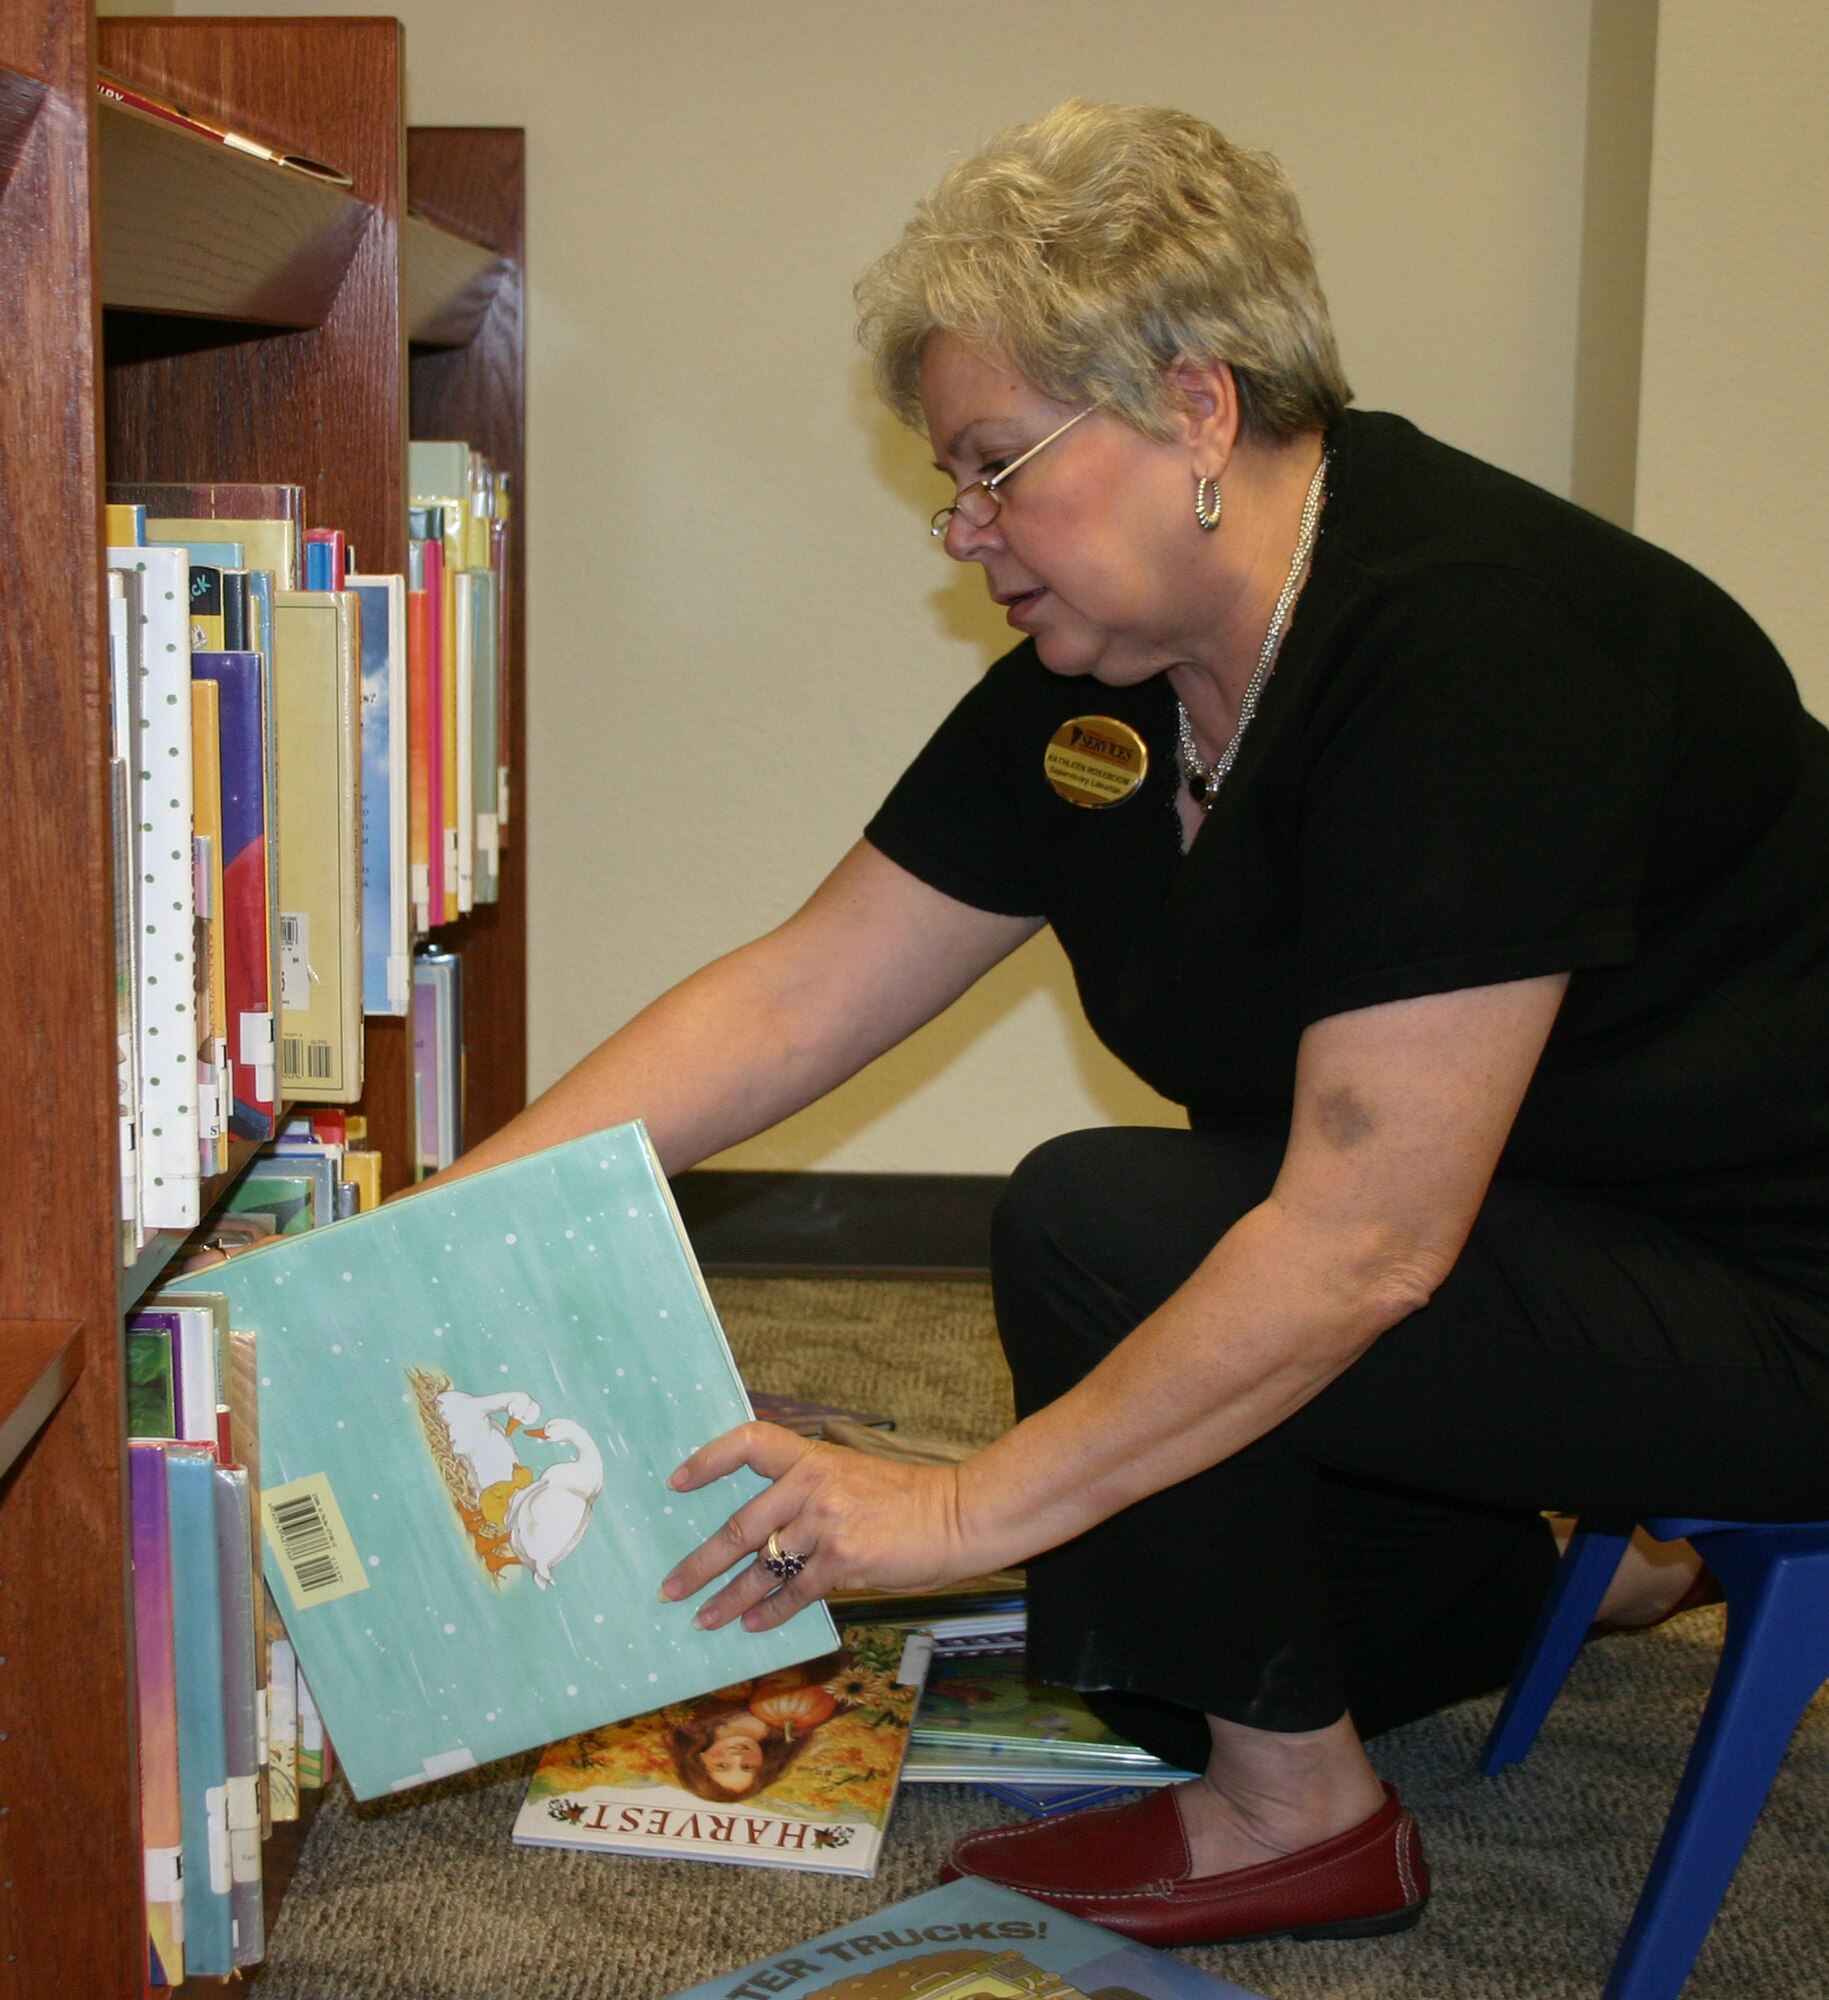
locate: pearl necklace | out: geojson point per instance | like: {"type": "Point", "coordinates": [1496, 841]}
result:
{"type": "Point", "coordinates": [1204, 780]}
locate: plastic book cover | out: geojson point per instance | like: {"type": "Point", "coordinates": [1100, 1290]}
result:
{"type": "Point", "coordinates": [318, 679]}
{"type": "Point", "coordinates": [471, 1400]}
{"type": "Point", "coordinates": [209, 1944]}
{"type": "Point", "coordinates": [968, 1941]}
{"type": "Point", "coordinates": [274, 544]}
{"type": "Point", "coordinates": [963, 1763]}
{"type": "Point", "coordinates": [169, 1180]}
{"type": "Point", "coordinates": [247, 913]}
{"type": "Point", "coordinates": [156, 1679]}
{"type": "Point", "coordinates": [795, 1769]}
{"type": "Point", "coordinates": [387, 917]}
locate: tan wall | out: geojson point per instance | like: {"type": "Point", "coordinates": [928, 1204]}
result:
{"type": "Point", "coordinates": [1734, 405]}
{"type": "Point", "coordinates": [740, 630]}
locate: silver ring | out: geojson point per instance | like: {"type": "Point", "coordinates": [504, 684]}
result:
{"type": "Point", "coordinates": [779, 1562]}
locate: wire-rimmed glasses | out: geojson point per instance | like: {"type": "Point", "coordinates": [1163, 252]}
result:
{"type": "Point", "coordinates": [980, 501]}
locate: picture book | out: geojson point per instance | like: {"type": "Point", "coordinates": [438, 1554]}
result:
{"type": "Point", "coordinates": [470, 1403]}
{"type": "Point", "coordinates": [794, 1769]}
{"type": "Point", "coordinates": [968, 1941]}
{"type": "Point", "coordinates": [992, 1702]}
{"type": "Point", "coordinates": [247, 913]}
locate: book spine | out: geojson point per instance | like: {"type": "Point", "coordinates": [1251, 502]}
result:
{"type": "Point", "coordinates": [155, 1670]}
{"type": "Point", "coordinates": [241, 1719]}
{"type": "Point", "coordinates": [209, 1944]}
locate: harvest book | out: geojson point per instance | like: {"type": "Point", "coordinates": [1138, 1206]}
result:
{"type": "Point", "coordinates": [470, 1401]}
{"type": "Point", "coordinates": [795, 1769]}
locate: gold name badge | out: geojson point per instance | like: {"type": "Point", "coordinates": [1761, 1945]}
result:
{"type": "Point", "coordinates": [1095, 760]}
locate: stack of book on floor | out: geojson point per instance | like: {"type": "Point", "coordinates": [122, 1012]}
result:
{"type": "Point", "coordinates": [794, 1769]}
{"type": "Point", "coordinates": [984, 1721]}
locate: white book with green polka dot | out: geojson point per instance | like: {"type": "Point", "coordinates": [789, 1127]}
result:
{"type": "Point", "coordinates": [161, 797]}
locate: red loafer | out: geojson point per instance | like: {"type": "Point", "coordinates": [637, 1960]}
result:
{"type": "Point", "coordinates": [1127, 1867]}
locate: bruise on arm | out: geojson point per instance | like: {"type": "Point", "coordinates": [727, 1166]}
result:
{"type": "Point", "coordinates": [1343, 1118]}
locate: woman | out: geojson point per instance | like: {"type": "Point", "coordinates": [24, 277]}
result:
{"type": "Point", "coordinates": [1462, 864]}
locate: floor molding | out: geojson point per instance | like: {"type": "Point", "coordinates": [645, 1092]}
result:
{"type": "Point", "coordinates": [812, 1224]}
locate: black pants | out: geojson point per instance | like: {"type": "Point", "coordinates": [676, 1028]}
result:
{"type": "Point", "coordinates": [1382, 1551]}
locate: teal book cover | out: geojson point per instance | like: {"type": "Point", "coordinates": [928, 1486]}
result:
{"type": "Point", "coordinates": [470, 1400]}
{"type": "Point", "coordinates": [203, 1757]}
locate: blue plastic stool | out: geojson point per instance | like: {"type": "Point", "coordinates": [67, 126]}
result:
{"type": "Point", "coordinates": [1776, 1581]}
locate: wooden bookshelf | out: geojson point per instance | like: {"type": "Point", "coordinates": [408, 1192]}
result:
{"type": "Point", "coordinates": [180, 312]}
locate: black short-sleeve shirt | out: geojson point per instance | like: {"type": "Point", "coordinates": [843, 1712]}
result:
{"type": "Point", "coordinates": [1503, 739]}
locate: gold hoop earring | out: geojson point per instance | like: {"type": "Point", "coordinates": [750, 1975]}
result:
{"type": "Point", "coordinates": [1209, 520]}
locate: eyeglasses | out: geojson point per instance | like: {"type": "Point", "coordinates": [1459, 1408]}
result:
{"type": "Point", "coordinates": [980, 501]}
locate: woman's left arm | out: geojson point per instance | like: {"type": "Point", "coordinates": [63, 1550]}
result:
{"type": "Point", "coordinates": [1401, 1112]}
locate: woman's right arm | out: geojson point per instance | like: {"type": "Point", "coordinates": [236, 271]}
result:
{"type": "Point", "coordinates": [757, 1034]}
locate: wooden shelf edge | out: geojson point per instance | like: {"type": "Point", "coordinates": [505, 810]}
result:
{"type": "Point", "coordinates": [449, 281]}
{"type": "Point", "coordinates": [21, 94]}
{"type": "Point", "coordinates": [39, 1360]}
{"type": "Point", "coordinates": [192, 228]}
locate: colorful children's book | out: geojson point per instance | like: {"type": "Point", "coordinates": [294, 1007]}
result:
{"type": "Point", "coordinates": [968, 1941]}
{"type": "Point", "coordinates": [471, 1401]}
{"type": "Point", "coordinates": [797, 1769]}
{"type": "Point", "coordinates": [993, 1703]}
{"type": "Point", "coordinates": [249, 931]}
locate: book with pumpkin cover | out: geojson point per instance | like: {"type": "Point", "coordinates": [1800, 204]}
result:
{"type": "Point", "coordinates": [470, 1403]}
{"type": "Point", "coordinates": [794, 1769]}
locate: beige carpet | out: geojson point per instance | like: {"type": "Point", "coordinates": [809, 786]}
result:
{"type": "Point", "coordinates": [425, 1899]}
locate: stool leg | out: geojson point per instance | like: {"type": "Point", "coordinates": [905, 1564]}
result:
{"type": "Point", "coordinates": [1581, 1581]}
{"type": "Point", "coordinates": [1775, 1659]}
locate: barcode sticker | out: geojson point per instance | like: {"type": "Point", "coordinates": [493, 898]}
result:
{"type": "Point", "coordinates": [294, 961]}
{"type": "Point", "coordinates": [313, 1546]}
{"type": "Point", "coordinates": [303, 1060]}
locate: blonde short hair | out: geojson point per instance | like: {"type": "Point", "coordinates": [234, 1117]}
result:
{"type": "Point", "coordinates": [1095, 247]}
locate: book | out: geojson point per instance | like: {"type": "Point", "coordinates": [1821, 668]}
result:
{"type": "Point", "coordinates": [156, 1679]}
{"type": "Point", "coordinates": [994, 1702]}
{"type": "Point", "coordinates": [471, 1401]}
{"type": "Point", "coordinates": [387, 913]}
{"type": "Point", "coordinates": [162, 808]}
{"type": "Point", "coordinates": [317, 668]}
{"type": "Point", "coordinates": [249, 932]}
{"type": "Point", "coordinates": [209, 1944]}
{"type": "Point", "coordinates": [241, 1717]}
{"type": "Point", "coordinates": [152, 1409]}
{"type": "Point", "coordinates": [214, 1085]}
{"type": "Point", "coordinates": [809, 1419]}
{"type": "Point", "coordinates": [136, 97]}
{"type": "Point", "coordinates": [438, 1057]}
{"type": "Point", "coordinates": [970, 1940]}
{"type": "Point", "coordinates": [796, 1769]}
{"type": "Point", "coordinates": [1043, 1800]}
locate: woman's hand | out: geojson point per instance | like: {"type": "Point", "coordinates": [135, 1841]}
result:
{"type": "Point", "coordinates": [860, 1522]}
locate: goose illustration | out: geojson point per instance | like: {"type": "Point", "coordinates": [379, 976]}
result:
{"type": "Point", "coordinates": [475, 1437]}
{"type": "Point", "coordinates": [547, 1520]}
